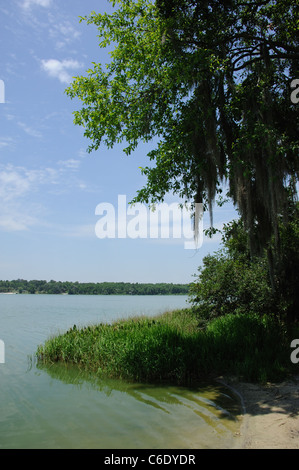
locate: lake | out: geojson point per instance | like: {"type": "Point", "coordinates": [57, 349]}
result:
{"type": "Point", "coordinates": [63, 407]}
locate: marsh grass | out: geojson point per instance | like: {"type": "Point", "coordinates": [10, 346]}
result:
{"type": "Point", "coordinates": [173, 348]}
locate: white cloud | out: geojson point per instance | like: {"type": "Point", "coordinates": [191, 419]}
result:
{"type": "Point", "coordinates": [6, 142]}
{"type": "Point", "coordinates": [63, 33]}
{"type": "Point", "coordinates": [20, 188]}
{"type": "Point", "coordinates": [82, 153]}
{"type": "Point", "coordinates": [13, 183]}
{"type": "Point", "coordinates": [13, 219]}
{"type": "Point", "coordinates": [17, 181]}
{"type": "Point", "coordinates": [43, 3]}
{"type": "Point", "coordinates": [60, 68]}
{"type": "Point", "coordinates": [29, 130]}
{"type": "Point", "coordinates": [71, 163]}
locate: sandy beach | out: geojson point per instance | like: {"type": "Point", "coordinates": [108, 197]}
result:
{"type": "Point", "coordinates": [271, 414]}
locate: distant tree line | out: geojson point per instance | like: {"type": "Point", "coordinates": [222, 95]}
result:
{"type": "Point", "coordinates": [22, 286]}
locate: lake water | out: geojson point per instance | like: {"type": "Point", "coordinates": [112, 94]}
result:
{"type": "Point", "coordinates": [62, 407]}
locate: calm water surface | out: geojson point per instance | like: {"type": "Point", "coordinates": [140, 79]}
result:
{"type": "Point", "coordinates": [62, 407]}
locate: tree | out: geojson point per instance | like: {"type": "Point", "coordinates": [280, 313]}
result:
{"type": "Point", "coordinates": [231, 281]}
{"type": "Point", "coordinates": [286, 267]}
{"type": "Point", "coordinates": [210, 80]}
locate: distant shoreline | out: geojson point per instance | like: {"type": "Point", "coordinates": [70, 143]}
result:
{"type": "Point", "coordinates": [21, 286]}
{"type": "Point", "coordinates": [66, 293]}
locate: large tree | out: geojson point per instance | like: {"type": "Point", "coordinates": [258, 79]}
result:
{"type": "Point", "coordinates": [211, 82]}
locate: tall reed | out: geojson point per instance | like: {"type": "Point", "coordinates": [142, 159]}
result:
{"type": "Point", "coordinates": [173, 348]}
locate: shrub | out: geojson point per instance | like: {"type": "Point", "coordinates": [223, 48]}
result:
{"type": "Point", "coordinates": [226, 285]}
{"type": "Point", "coordinates": [250, 346]}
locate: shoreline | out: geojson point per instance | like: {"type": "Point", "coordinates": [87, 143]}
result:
{"type": "Point", "coordinates": [86, 294]}
{"type": "Point", "coordinates": [270, 414]}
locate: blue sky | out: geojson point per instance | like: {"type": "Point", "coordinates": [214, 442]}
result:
{"type": "Point", "coordinates": [49, 185]}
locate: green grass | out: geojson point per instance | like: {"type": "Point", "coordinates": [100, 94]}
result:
{"type": "Point", "coordinates": [173, 348]}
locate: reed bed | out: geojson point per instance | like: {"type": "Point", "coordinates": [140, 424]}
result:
{"type": "Point", "coordinates": [175, 348]}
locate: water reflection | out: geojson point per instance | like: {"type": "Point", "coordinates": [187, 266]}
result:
{"type": "Point", "coordinates": [207, 416]}
{"type": "Point", "coordinates": [62, 407]}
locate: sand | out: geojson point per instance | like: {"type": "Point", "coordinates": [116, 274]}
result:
{"type": "Point", "coordinates": [270, 417]}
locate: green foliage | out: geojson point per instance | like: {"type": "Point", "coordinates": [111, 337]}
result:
{"type": "Point", "coordinates": [286, 266]}
{"type": "Point", "coordinates": [226, 285]}
{"type": "Point", "coordinates": [210, 81]}
{"type": "Point", "coordinates": [145, 349]}
{"type": "Point", "coordinates": [231, 281]}
{"type": "Point", "coordinates": [171, 348]}
{"type": "Point", "coordinates": [251, 346]}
